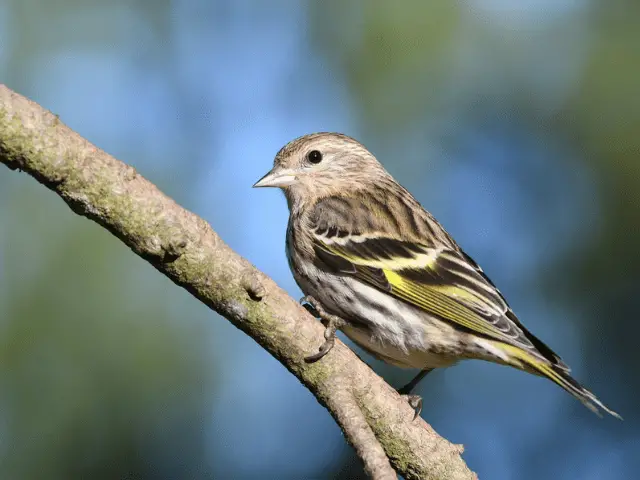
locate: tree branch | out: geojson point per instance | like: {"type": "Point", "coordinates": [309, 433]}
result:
{"type": "Point", "coordinates": [182, 246]}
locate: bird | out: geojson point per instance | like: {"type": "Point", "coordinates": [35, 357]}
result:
{"type": "Point", "coordinates": [373, 263]}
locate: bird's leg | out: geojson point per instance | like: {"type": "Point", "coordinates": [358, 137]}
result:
{"type": "Point", "coordinates": [415, 401]}
{"type": "Point", "coordinates": [331, 323]}
{"type": "Point", "coordinates": [406, 390]}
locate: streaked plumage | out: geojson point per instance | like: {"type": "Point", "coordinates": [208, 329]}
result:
{"type": "Point", "coordinates": [366, 250]}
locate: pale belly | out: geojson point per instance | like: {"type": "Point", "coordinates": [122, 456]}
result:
{"type": "Point", "coordinates": [392, 354]}
{"type": "Point", "coordinates": [386, 327]}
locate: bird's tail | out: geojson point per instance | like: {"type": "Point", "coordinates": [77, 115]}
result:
{"type": "Point", "coordinates": [527, 361]}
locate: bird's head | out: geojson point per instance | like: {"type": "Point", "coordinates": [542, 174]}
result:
{"type": "Point", "coordinates": [319, 165]}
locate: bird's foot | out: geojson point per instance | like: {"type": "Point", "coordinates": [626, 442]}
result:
{"type": "Point", "coordinates": [331, 323]}
{"type": "Point", "coordinates": [415, 402]}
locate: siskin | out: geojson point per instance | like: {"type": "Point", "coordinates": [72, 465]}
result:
{"type": "Point", "coordinates": [375, 264]}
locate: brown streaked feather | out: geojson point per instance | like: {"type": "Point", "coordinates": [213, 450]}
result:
{"type": "Point", "coordinates": [385, 210]}
{"type": "Point", "coordinates": [452, 272]}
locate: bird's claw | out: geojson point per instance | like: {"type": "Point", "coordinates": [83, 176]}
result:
{"type": "Point", "coordinates": [331, 322]}
{"type": "Point", "coordinates": [324, 349]}
{"type": "Point", "coordinates": [415, 402]}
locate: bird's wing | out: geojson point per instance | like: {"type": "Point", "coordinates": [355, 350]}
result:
{"type": "Point", "coordinates": [436, 276]}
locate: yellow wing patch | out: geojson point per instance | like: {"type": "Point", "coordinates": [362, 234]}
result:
{"type": "Point", "coordinates": [476, 305]}
{"type": "Point", "coordinates": [426, 259]}
{"type": "Point", "coordinates": [441, 304]}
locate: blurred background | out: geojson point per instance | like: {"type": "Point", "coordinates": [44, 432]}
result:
{"type": "Point", "coordinates": [515, 123]}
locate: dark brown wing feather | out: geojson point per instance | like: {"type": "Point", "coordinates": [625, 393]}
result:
{"type": "Point", "coordinates": [368, 234]}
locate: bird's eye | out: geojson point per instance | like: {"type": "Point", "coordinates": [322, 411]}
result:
{"type": "Point", "coordinates": [314, 156]}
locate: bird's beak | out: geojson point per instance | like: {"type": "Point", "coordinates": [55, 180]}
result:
{"type": "Point", "coordinates": [276, 178]}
